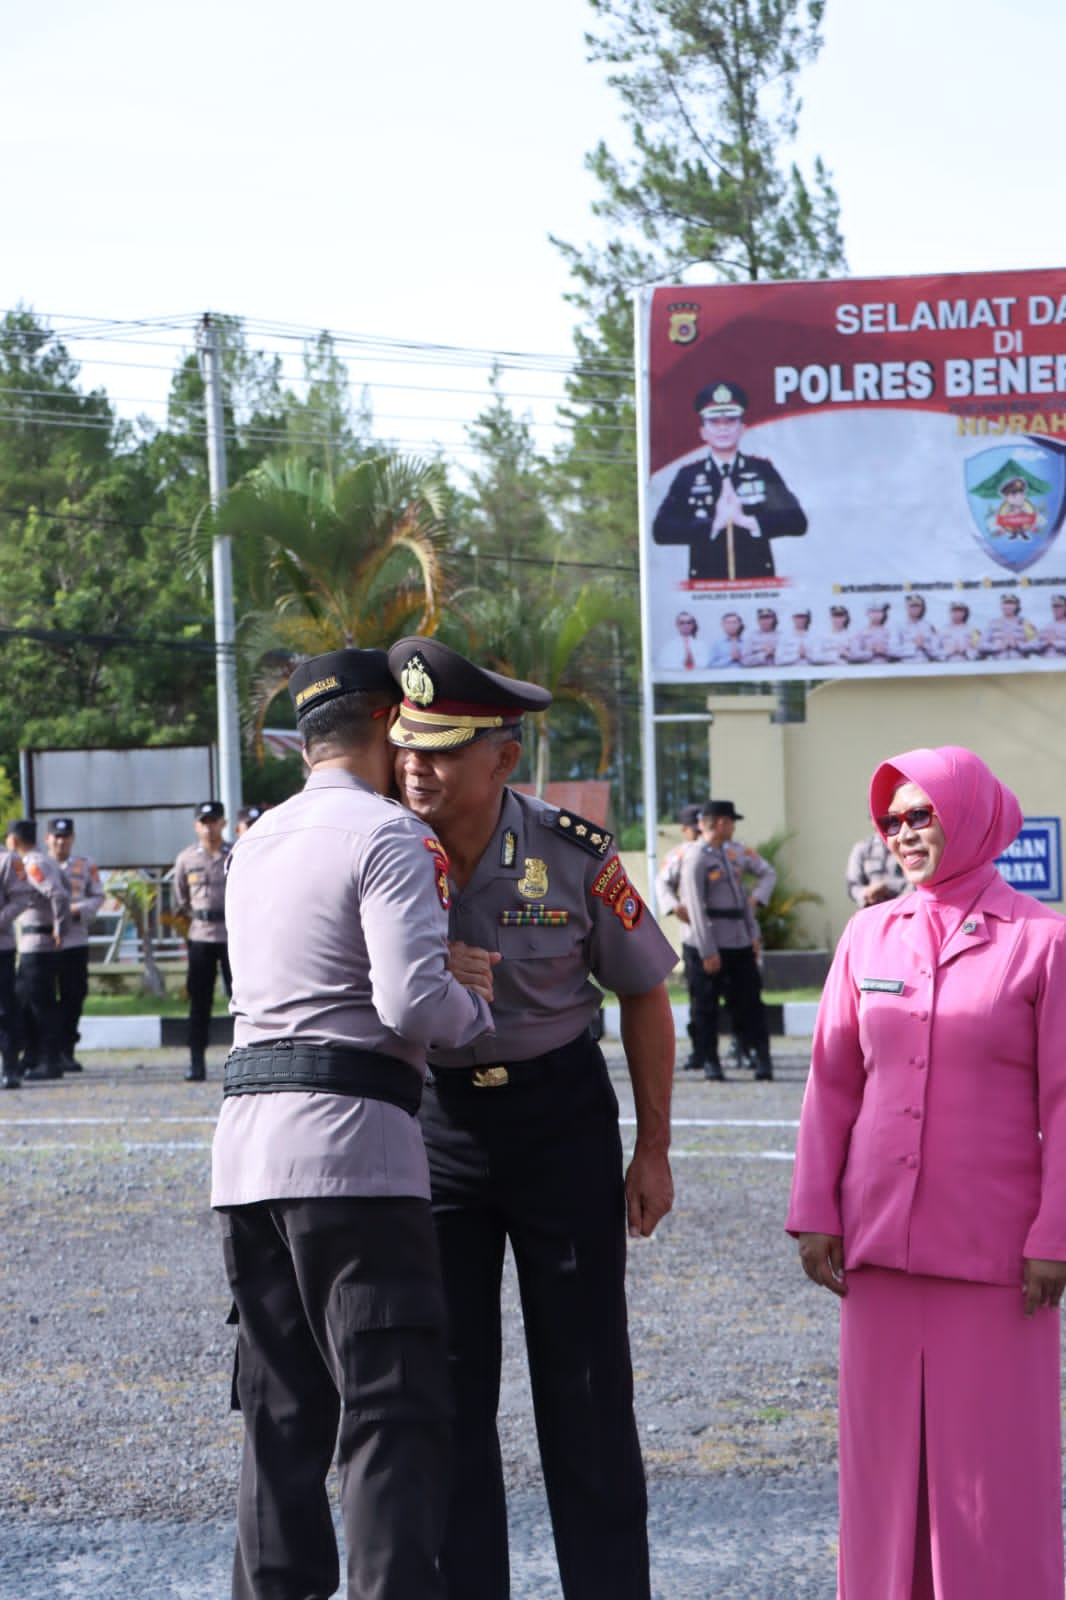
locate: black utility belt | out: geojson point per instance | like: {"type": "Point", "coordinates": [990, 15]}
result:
{"type": "Point", "coordinates": [567, 1058]}
{"type": "Point", "coordinates": [734, 914]}
{"type": "Point", "coordinates": [209, 916]}
{"type": "Point", "coordinates": [36, 927]}
{"type": "Point", "coordinates": [332, 1069]}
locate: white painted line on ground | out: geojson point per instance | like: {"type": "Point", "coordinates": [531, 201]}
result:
{"type": "Point", "coordinates": [720, 1122]}
{"type": "Point", "coordinates": [127, 1148]}
{"type": "Point", "coordinates": [94, 1122]}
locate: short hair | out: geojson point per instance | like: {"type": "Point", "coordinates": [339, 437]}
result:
{"type": "Point", "coordinates": [346, 722]}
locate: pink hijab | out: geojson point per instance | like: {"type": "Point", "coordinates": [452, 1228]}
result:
{"type": "Point", "coordinates": [979, 815]}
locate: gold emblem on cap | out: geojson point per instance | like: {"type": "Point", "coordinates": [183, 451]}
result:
{"type": "Point", "coordinates": [722, 395]}
{"type": "Point", "coordinates": [416, 682]}
{"type": "Point", "coordinates": [534, 886]}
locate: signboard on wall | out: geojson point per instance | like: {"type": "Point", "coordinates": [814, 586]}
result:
{"type": "Point", "coordinates": [1033, 863]}
{"type": "Point", "coordinates": [855, 478]}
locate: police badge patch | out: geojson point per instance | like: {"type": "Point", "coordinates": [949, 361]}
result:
{"type": "Point", "coordinates": [682, 327]}
{"type": "Point", "coordinates": [438, 852]}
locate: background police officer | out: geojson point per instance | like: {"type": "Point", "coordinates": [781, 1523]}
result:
{"type": "Point", "coordinates": [41, 930]}
{"type": "Point", "coordinates": [668, 904]}
{"type": "Point", "coordinates": [200, 895]}
{"type": "Point", "coordinates": [728, 506]}
{"type": "Point", "coordinates": [15, 896]}
{"type": "Point", "coordinates": [522, 1130]}
{"type": "Point", "coordinates": [72, 967]}
{"type": "Point", "coordinates": [336, 911]}
{"type": "Point", "coordinates": [725, 936]}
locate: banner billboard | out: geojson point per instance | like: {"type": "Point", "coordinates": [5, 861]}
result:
{"type": "Point", "coordinates": [861, 477]}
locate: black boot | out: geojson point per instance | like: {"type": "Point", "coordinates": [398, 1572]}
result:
{"type": "Point", "coordinates": [713, 1072]}
{"type": "Point", "coordinates": [196, 1071]}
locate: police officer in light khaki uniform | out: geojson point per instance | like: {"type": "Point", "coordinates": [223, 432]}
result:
{"type": "Point", "coordinates": [667, 904]}
{"type": "Point", "coordinates": [336, 908]}
{"type": "Point", "coordinates": [873, 872]}
{"type": "Point", "coordinates": [41, 930]}
{"type": "Point", "coordinates": [72, 968]}
{"type": "Point", "coordinates": [15, 895]}
{"type": "Point", "coordinates": [200, 895]}
{"type": "Point", "coordinates": [725, 935]}
{"type": "Point", "coordinates": [522, 1130]}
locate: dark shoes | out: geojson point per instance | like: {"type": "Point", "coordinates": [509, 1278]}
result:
{"type": "Point", "coordinates": [10, 1080]}
{"type": "Point", "coordinates": [47, 1069]}
{"type": "Point", "coordinates": [693, 1064]}
{"type": "Point", "coordinates": [713, 1072]}
{"type": "Point", "coordinates": [195, 1072]}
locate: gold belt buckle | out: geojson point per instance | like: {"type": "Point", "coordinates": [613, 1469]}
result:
{"type": "Point", "coordinates": [490, 1077]}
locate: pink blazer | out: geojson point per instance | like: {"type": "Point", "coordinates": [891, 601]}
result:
{"type": "Point", "coordinates": [933, 1129]}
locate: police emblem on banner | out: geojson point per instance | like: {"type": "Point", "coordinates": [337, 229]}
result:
{"type": "Point", "coordinates": [1016, 493]}
{"type": "Point", "coordinates": [682, 327]}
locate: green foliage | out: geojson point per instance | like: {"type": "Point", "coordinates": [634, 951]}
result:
{"type": "Point", "coordinates": [779, 920]}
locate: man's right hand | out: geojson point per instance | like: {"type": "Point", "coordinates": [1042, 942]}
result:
{"type": "Point", "coordinates": [712, 964]}
{"type": "Point", "coordinates": [473, 966]}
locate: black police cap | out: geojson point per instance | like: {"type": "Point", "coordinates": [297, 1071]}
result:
{"type": "Point", "coordinates": [448, 701]}
{"type": "Point", "coordinates": [210, 811]}
{"type": "Point", "coordinates": [721, 400]}
{"type": "Point", "coordinates": [689, 816]}
{"type": "Point", "coordinates": [61, 827]}
{"type": "Point", "coordinates": [722, 808]}
{"type": "Point", "coordinates": [322, 678]}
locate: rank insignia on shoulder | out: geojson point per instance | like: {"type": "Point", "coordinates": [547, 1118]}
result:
{"type": "Point", "coordinates": [597, 841]}
{"type": "Point", "coordinates": [440, 862]}
{"type": "Point", "coordinates": [508, 848]}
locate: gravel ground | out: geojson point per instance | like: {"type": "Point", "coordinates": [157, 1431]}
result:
{"type": "Point", "coordinates": [119, 1454]}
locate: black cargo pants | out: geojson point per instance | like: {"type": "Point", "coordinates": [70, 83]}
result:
{"type": "Point", "coordinates": [340, 1345]}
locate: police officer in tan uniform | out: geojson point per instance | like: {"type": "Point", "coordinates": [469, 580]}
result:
{"type": "Point", "coordinates": [725, 935]}
{"type": "Point", "coordinates": [41, 930]}
{"type": "Point", "coordinates": [336, 907]}
{"type": "Point", "coordinates": [873, 873]}
{"type": "Point", "coordinates": [667, 904]}
{"type": "Point", "coordinates": [200, 895]}
{"type": "Point", "coordinates": [15, 896]}
{"type": "Point", "coordinates": [72, 968]}
{"type": "Point", "coordinates": [522, 1130]}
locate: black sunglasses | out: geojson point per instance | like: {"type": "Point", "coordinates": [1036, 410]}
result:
{"type": "Point", "coordinates": [916, 817]}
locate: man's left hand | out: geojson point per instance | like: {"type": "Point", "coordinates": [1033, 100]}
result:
{"type": "Point", "coordinates": [649, 1190]}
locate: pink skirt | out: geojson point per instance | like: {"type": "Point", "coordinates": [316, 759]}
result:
{"type": "Point", "coordinates": [950, 1442]}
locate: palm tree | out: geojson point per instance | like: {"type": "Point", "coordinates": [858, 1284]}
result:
{"type": "Point", "coordinates": [356, 561]}
{"type": "Point", "coordinates": [553, 643]}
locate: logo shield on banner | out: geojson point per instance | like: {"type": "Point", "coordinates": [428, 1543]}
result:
{"type": "Point", "coordinates": [1016, 493]}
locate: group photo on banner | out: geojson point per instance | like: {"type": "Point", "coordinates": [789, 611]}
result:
{"type": "Point", "coordinates": [862, 477]}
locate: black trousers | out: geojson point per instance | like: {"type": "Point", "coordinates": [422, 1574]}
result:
{"type": "Point", "coordinates": [70, 976]}
{"type": "Point", "coordinates": [340, 1345]}
{"type": "Point", "coordinates": [9, 1022]}
{"type": "Point", "coordinates": [37, 989]}
{"type": "Point", "coordinates": [72, 982]}
{"type": "Point", "coordinates": [539, 1162]}
{"type": "Point", "coordinates": [205, 959]}
{"type": "Point", "coordinates": [740, 982]}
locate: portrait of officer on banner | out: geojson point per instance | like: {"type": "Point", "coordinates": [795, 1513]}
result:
{"type": "Point", "coordinates": [727, 506]}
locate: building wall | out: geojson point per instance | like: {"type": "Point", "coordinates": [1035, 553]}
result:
{"type": "Point", "coordinates": [811, 778]}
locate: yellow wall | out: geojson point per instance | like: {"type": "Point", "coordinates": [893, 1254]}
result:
{"type": "Point", "coordinates": [811, 778]}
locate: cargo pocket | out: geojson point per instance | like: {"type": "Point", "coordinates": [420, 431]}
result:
{"type": "Point", "coordinates": [394, 1359]}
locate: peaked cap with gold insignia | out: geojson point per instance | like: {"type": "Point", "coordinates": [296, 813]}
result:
{"type": "Point", "coordinates": [448, 701]}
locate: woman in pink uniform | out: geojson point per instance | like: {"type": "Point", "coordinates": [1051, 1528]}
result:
{"type": "Point", "coordinates": [930, 1196]}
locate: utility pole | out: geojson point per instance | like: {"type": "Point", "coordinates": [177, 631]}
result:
{"type": "Point", "coordinates": [229, 733]}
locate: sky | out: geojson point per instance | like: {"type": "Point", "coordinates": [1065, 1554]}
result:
{"type": "Point", "coordinates": [394, 172]}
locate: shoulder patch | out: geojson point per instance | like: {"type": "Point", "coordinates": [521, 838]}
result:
{"type": "Point", "coordinates": [440, 863]}
{"type": "Point", "coordinates": [597, 841]}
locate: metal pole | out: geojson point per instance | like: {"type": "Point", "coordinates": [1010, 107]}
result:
{"type": "Point", "coordinates": [229, 734]}
{"type": "Point", "coordinates": [641, 299]}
